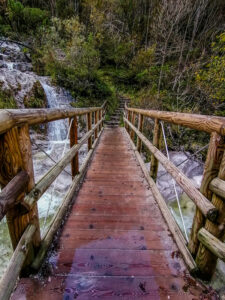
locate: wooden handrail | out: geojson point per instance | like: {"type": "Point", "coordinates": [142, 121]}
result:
{"type": "Point", "coordinates": [202, 202]}
{"type": "Point", "coordinates": [16, 147]}
{"type": "Point", "coordinates": [10, 118]}
{"type": "Point", "coordinates": [194, 121]}
{"type": "Point", "coordinates": [212, 191]}
{"type": "Point", "coordinates": [174, 228]}
{"type": "Point", "coordinates": [57, 220]}
{"type": "Point", "coordinates": [54, 172]}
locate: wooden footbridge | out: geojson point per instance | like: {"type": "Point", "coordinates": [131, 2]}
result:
{"type": "Point", "coordinates": [117, 239]}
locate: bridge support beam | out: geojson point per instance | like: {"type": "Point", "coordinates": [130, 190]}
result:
{"type": "Point", "coordinates": [140, 128]}
{"type": "Point", "coordinates": [129, 119]}
{"type": "Point", "coordinates": [132, 133]}
{"type": "Point", "coordinates": [100, 117]}
{"type": "Point", "coordinates": [156, 142]}
{"type": "Point", "coordinates": [89, 126]}
{"type": "Point", "coordinates": [96, 121]}
{"type": "Point", "coordinates": [74, 141]}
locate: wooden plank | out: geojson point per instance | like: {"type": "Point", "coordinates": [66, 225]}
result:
{"type": "Point", "coordinates": [94, 176]}
{"type": "Point", "coordinates": [115, 199]}
{"type": "Point", "coordinates": [116, 169]}
{"type": "Point", "coordinates": [207, 208]}
{"type": "Point", "coordinates": [111, 288]}
{"type": "Point", "coordinates": [113, 191]}
{"type": "Point", "coordinates": [140, 182]}
{"type": "Point", "coordinates": [103, 209]}
{"type": "Point", "coordinates": [126, 240]}
{"type": "Point", "coordinates": [117, 262]}
{"type": "Point", "coordinates": [110, 222]}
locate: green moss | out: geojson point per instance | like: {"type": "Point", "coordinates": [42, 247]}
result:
{"type": "Point", "coordinates": [36, 98]}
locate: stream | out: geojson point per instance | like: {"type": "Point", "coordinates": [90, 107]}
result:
{"type": "Point", "coordinates": [16, 75]}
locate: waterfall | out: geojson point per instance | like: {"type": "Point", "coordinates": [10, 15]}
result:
{"type": "Point", "coordinates": [56, 98]}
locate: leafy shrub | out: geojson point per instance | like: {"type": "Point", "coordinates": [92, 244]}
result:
{"type": "Point", "coordinates": [6, 99]}
{"type": "Point", "coordinates": [211, 78]}
{"type": "Point", "coordinates": [72, 59]}
{"type": "Point", "coordinates": [24, 19]}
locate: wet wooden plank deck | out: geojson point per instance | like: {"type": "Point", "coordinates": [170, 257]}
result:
{"type": "Point", "coordinates": [115, 243]}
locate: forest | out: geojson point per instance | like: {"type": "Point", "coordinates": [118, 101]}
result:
{"type": "Point", "coordinates": [163, 54]}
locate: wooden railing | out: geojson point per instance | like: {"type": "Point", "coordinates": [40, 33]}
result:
{"type": "Point", "coordinates": [208, 228]}
{"type": "Point", "coordinates": [19, 195]}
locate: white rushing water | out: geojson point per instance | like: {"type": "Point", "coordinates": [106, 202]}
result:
{"type": "Point", "coordinates": [60, 98]}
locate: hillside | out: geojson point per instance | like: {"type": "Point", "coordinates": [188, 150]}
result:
{"type": "Point", "coordinates": [162, 54]}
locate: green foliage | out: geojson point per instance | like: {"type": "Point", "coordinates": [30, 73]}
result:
{"type": "Point", "coordinates": [211, 78]}
{"type": "Point", "coordinates": [94, 48]}
{"type": "Point", "coordinates": [5, 29]}
{"type": "Point", "coordinates": [72, 59]}
{"type": "Point", "coordinates": [37, 97]}
{"type": "Point", "coordinates": [143, 60]}
{"type": "Point", "coordinates": [34, 17]}
{"type": "Point", "coordinates": [24, 19]}
{"type": "Point", "coordinates": [6, 99]}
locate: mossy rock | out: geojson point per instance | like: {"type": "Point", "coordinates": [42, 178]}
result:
{"type": "Point", "coordinates": [36, 98]}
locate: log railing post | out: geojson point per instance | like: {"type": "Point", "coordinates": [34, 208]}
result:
{"type": "Point", "coordinates": [126, 116]}
{"type": "Point", "coordinates": [156, 142]}
{"type": "Point", "coordinates": [140, 128]}
{"type": "Point", "coordinates": [205, 259]}
{"type": "Point", "coordinates": [100, 117]}
{"type": "Point", "coordinates": [15, 155]}
{"type": "Point", "coordinates": [132, 134]}
{"type": "Point", "coordinates": [89, 126]}
{"type": "Point", "coordinates": [129, 119]}
{"type": "Point", "coordinates": [74, 141]}
{"type": "Point", "coordinates": [96, 121]}
{"type": "Point", "coordinates": [212, 165]}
